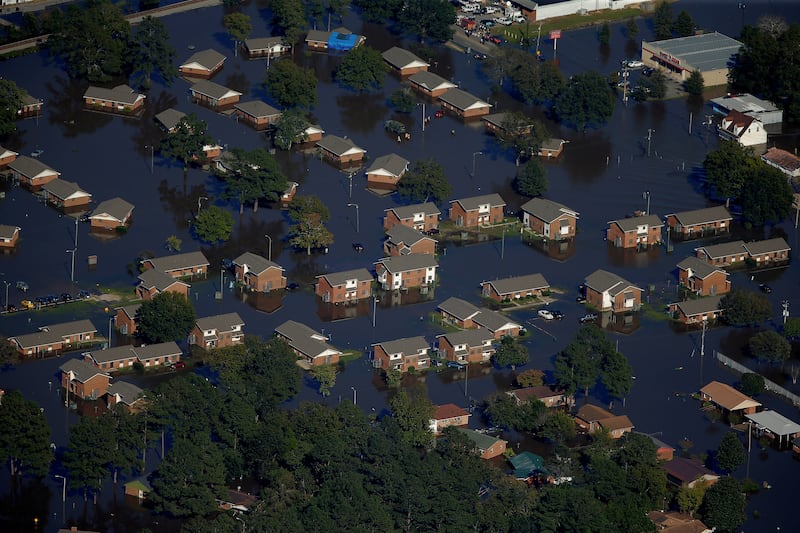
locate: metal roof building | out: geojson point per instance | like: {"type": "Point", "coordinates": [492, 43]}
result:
{"type": "Point", "coordinates": [709, 53]}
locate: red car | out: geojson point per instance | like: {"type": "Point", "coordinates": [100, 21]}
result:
{"type": "Point", "coordinates": [178, 365]}
{"type": "Point", "coordinates": [439, 114]}
{"type": "Point", "coordinates": [496, 40]}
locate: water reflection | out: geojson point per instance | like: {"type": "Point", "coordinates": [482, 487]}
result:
{"type": "Point", "coordinates": [266, 302]}
{"type": "Point", "coordinates": [632, 257]}
{"type": "Point", "coordinates": [329, 312]}
{"type": "Point", "coordinates": [65, 109]}
{"type": "Point", "coordinates": [359, 114]}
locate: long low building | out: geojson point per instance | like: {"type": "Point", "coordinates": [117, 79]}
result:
{"type": "Point", "coordinates": [709, 53]}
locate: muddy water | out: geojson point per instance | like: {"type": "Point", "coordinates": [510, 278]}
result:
{"type": "Point", "coordinates": [603, 175]}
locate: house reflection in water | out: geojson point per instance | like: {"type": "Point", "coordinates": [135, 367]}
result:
{"type": "Point", "coordinates": [558, 250]}
{"type": "Point", "coordinates": [619, 322]}
{"type": "Point", "coordinates": [410, 296]}
{"type": "Point", "coordinates": [266, 302]}
{"type": "Point", "coordinates": [329, 312]}
{"type": "Point", "coordinates": [633, 257]}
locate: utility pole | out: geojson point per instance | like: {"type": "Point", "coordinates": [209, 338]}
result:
{"type": "Point", "coordinates": [473, 163]}
{"type": "Point", "coordinates": [650, 132]}
{"type": "Point", "coordinates": [152, 155]}
{"type": "Point", "coordinates": [423, 116]}
{"type": "Point", "coordinates": [350, 177]}
{"type": "Point", "coordinates": [72, 270]}
{"type": "Point", "coordinates": [374, 302]}
{"type": "Point", "coordinates": [357, 222]}
{"type": "Point", "coordinates": [269, 256]}
{"type": "Point", "coordinates": [503, 244]}
{"type": "Point", "coordinates": [784, 303]}
{"type": "Point", "coordinates": [691, 116]}
{"type": "Point", "coordinates": [538, 35]}
{"type": "Point", "coordinates": [647, 195]}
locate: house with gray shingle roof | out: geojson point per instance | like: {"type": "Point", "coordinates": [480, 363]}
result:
{"type": "Point", "coordinates": [430, 84]}
{"type": "Point", "coordinates": [477, 210]}
{"type": "Point", "coordinates": [31, 172]}
{"type": "Point", "coordinates": [702, 278]}
{"type": "Point", "coordinates": [635, 232]}
{"type": "Point", "coordinates": [261, 47]}
{"type": "Point", "coordinates": [498, 324]}
{"type": "Point", "coordinates": [386, 171]}
{"type": "Point", "coordinates": [189, 264]}
{"type": "Point", "coordinates": [120, 99]}
{"type": "Point", "coordinates": [402, 240]}
{"type": "Point", "coordinates": [9, 235]}
{"type": "Point", "coordinates": [6, 156]}
{"type": "Point", "coordinates": [467, 346]}
{"type": "Point", "coordinates": [464, 104]}
{"type": "Point", "coordinates": [203, 64]}
{"type": "Point", "coordinates": [723, 254]}
{"type": "Point", "coordinates": [124, 393]}
{"type": "Point", "coordinates": [125, 320]}
{"type": "Point", "coordinates": [340, 149]}
{"type": "Point", "coordinates": [258, 273]}
{"type": "Point", "coordinates": [256, 114]}
{"type": "Point", "coordinates": [66, 195]}
{"type": "Point", "coordinates": [486, 445]}
{"type": "Point", "coordinates": [608, 292]}
{"type": "Point", "coordinates": [404, 62]}
{"type": "Point", "coordinates": [768, 251]}
{"type": "Point", "coordinates": [344, 287]}
{"type": "Point", "coordinates": [214, 96]}
{"type": "Point", "coordinates": [82, 380]}
{"type": "Point", "coordinates": [458, 312]}
{"type": "Point", "coordinates": [549, 219]}
{"type": "Point", "coordinates": [120, 357]}
{"type": "Point", "coordinates": [55, 339]}
{"type": "Point", "coordinates": [169, 119]}
{"type": "Point", "coordinates": [402, 354]}
{"type": "Point", "coordinates": [111, 214]}
{"type": "Point", "coordinates": [406, 271]}
{"type": "Point", "coordinates": [153, 282]}
{"type": "Point", "coordinates": [530, 285]}
{"type": "Point", "coordinates": [463, 314]}
{"type": "Point", "coordinates": [422, 217]}
{"type": "Point", "coordinates": [700, 222]}
{"type": "Point", "coordinates": [218, 331]}
{"type": "Point", "coordinates": [308, 344]}
{"type": "Point", "coordinates": [697, 310]}
{"type": "Point", "coordinates": [31, 106]}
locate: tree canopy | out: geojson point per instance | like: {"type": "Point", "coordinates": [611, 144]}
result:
{"type": "Point", "coordinates": [532, 180]}
{"type": "Point", "coordinates": [362, 69]}
{"type": "Point", "coordinates": [25, 439]}
{"type": "Point", "coordinates": [290, 129]}
{"type": "Point", "coordinates": [521, 134]}
{"type": "Point", "coordinates": [695, 83]}
{"type": "Point", "coordinates": [292, 86]}
{"type": "Point", "coordinates": [309, 215]}
{"type": "Point", "coordinates": [769, 346]}
{"type": "Point", "coordinates": [428, 19]}
{"type": "Point", "coordinates": [510, 353]}
{"type": "Point", "coordinates": [239, 27]}
{"type": "Point", "coordinates": [10, 103]}
{"type": "Point", "coordinates": [413, 413]}
{"type": "Point", "coordinates": [152, 53]}
{"type": "Point", "coordinates": [730, 452]}
{"type": "Point", "coordinates": [586, 100]}
{"type": "Point", "coordinates": [723, 505]}
{"type": "Point", "coordinates": [186, 143]}
{"type": "Point", "coordinates": [743, 308]}
{"type": "Point", "coordinates": [252, 175]}
{"type": "Point", "coordinates": [425, 181]}
{"type": "Point", "coordinates": [662, 21]}
{"type": "Point", "coordinates": [168, 316]}
{"type": "Point", "coordinates": [213, 225]}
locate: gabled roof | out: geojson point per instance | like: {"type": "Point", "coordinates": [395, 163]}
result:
{"type": "Point", "coordinates": [699, 268]}
{"type": "Point", "coordinates": [318, 35]}
{"type": "Point", "coordinates": [767, 246]}
{"type": "Point", "coordinates": [494, 321]}
{"type": "Point", "coordinates": [7, 231]}
{"type": "Point", "coordinates": [699, 306]}
{"type": "Point", "coordinates": [257, 108]}
{"type": "Point", "coordinates": [774, 422]}
{"type": "Point", "coordinates": [304, 339]}
{"type": "Point", "coordinates": [205, 59]}
{"type": "Point", "coordinates": [31, 167]}
{"type": "Point", "coordinates": [5, 152]}
{"type": "Point", "coordinates": [633, 223]}
{"type": "Point", "coordinates": [156, 279]}
{"type": "Point", "coordinates": [402, 58]}
{"type": "Point", "coordinates": [129, 310]}
{"type": "Point", "coordinates": [162, 349]}
{"type": "Point", "coordinates": [482, 440]}
{"type": "Point", "coordinates": [593, 413]}
{"type": "Point", "coordinates": [786, 161]}
{"type": "Point", "coordinates": [461, 309]}
{"type": "Point", "coordinates": [724, 249]}
{"type": "Point", "coordinates": [539, 392]}
{"type": "Point", "coordinates": [673, 522]}
{"type": "Point", "coordinates": [526, 463]}
{"type": "Point", "coordinates": [404, 263]}
{"type": "Point", "coordinates": [126, 393]}
{"type": "Point", "coordinates": [686, 470]}
{"type": "Point", "coordinates": [403, 234]}
{"type": "Point", "coordinates": [616, 422]}
{"type": "Point", "coordinates": [405, 346]}
{"type": "Point", "coordinates": [340, 278]}
{"type": "Point", "coordinates": [255, 263]}
{"type": "Point", "coordinates": [65, 190]}
{"type": "Point", "coordinates": [142, 353]}
{"type": "Point", "coordinates": [519, 283]}
{"type": "Point", "coordinates": [121, 93]}
{"type": "Point", "coordinates": [261, 43]}
{"type": "Point", "coordinates": [736, 123]}
{"type": "Point", "coordinates": [447, 411]}
{"type": "Point", "coordinates": [408, 211]}
{"type": "Point", "coordinates": [463, 100]}
{"type": "Point", "coordinates": [702, 216]}
{"type": "Point", "coordinates": [339, 146]}
{"type": "Point", "coordinates": [470, 337]}
{"type": "Point", "coordinates": [81, 370]}
{"type": "Point", "coordinates": [547, 210]}
{"type": "Point", "coordinates": [224, 322]}
{"type": "Point", "coordinates": [727, 397]}
{"type": "Point", "coordinates": [430, 81]}
{"type": "Point", "coordinates": [389, 165]}
{"type": "Point", "coordinates": [473, 203]}
{"type": "Point", "coordinates": [604, 281]}
{"type": "Point", "coordinates": [115, 208]}
{"type": "Point", "coordinates": [178, 261]}
{"type": "Point", "coordinates": [54, 333]}
{"type": "Point", "coordinates": [117, 353]}
{"type": "Point", "coordinates": [169, 118]}
{"type": "Point", "coordinates": [213, 90]}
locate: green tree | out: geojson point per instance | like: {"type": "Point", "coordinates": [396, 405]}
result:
{"type": "Point", "coordinates": [728, 168]}
{"type": "Point", "coordinates": [338, 7]}
{"type": "Point", "coordinates": [381, 12]}
{"type": "Point", "coordinates": [428, 19]}
{"type": "Point", "coordinates": [586, 100]}
{"type": "Point", "coordinates": [402, 100]}
{"type": "Point", "coordinates": [723, 505]}
{"type": "Point", "coordinates": [425, 181]}
{"type": "Point", "coordinates": [252, 175]}
{"type": "Point", "coordinates": [169, 316]}
{"type": "Point", "coordinates": [502, 411]}
{"type": "Point", "coordinates": [530, 378]}
{"type": "Point", "coordinates": [730, 453]}
{"type": "Point", "coordinates": [362, 69]}
{"type": "Point", "coordinates": [751, 384]}
{"type": "Point", "coordinates": [631, 28]}
{"type": "Point", "coordinates": [214, 225]}
{"type": "Point", "coordinates": [521, 134]}
{"type": "Point", "coordinates": [604, 35]}
{"type": "Point", "coordinates": [238, 26]}
{"type": "Point", "coordinates": [662, 21]}
{"type": "Point", "coordinates": [510, 353]}
{"type": "Point", "coordinates": [791, 328]}
{"type": "Point", "coordinates": [92, 40]}
{"type": "Point", "coordinates": [690, 498]}
{"type": "Point", "coordinates": [292, 86]}
{"type": "Point", "coordinates": [10, 103]}
{"type": "Point", "coordinates": [657, 84]}
{"type": "Point", "coordinates": [532, 180]}
{"type": "Point", "coordinates": [8, 352]}
{"type": "Point", "coordinates": [532, 81]}
{"type": "Point", "coordinates": [769, 346]}
{"type": "Point", "coordinates": [309, 215]}
{"type": "Point", "coordinates": [87, 455]}
{"type": "Point", "coordinates": [766, 196]}
{"type": "Point", "coordinates": [684, 25]}
{"type": "Point", "coordinates": [173, 243]}
{"type": "Point", "coordinates": [558, 427]}
{"type": "Point", "coordinates": [25, 439]}
{"type": "Point", "coordinates": [413, 414]}
{"type": "Point", "coordinates": [743, 308]}
{"type": "Point", "coordinates": [578, 365]}
{"type": "Point", "coordinates": [393, 377]}
{"type": "Point", "coordinates": [290, 129]}
{"type": "Point", "coordinates": [290, 17]}
{"type": "Point", "coordinates": [186, 143]}
{"type": "Point", "coordinates": [325, 376]}
{"type": "Point", "coordinates": [695, 84]}
{"type": "Point", "coordinates": [151, 52]}
{"type": "Point", "coordinates": [616, 374]}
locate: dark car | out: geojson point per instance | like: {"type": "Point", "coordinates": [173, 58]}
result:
{"type": "Point", "coordinates": [647, 71]}
{"type": "Point", "coordinates": [358, 247]}
{"type": "Point", "coordinates": [766, 289]}
{"type": "Point", "coordinates": [51, 299]}
{"type": "Point", "coordinates": [454, 364]}
{"type": "Point", "coordinates": [41, 300]}
{"type": "Point", "coordinates": [292, 286]}
{"type": "Point", "coordinates": [589, 317]}
{"type": "Point", "coordinates": [66, 297]}
{"type": "Point", "coordinates": [82, 294]}
{"type": "Point", "coordinates": [178, 365]}
{"type": "Point", "coordinates": [227, 264]}
{"type": "Point", "coordinates": [580, 299]}
{"type": "Point", "coordinates": [11, 308]}
{"type": "Point", "coordinates": [433, 231]}
{"type": "Point", "coordinates": [558, 315]}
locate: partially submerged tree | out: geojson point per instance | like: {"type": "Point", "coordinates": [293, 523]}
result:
{"type": "Point", "coordinates": [532, 180]}
{"type": "Point", "coordinates": [186, 143]}
{"type": "Point", "coordinates": [309, 215]}
{"type": "Point", "coordinates": [362, 69]}
{"type": "Point", "coordinates": [239, 27]}
{"type": "Point", "coordinates": [770, 347]}
{"type": "Point", "coordinates": [214, 225]}
{"type": "Point", "coordinates": [510, 353]}
{"type": "Point", "coordinates": [252, 175]}
{"type": "Point", "coordinates": [169, 316]}
{"type": "Point", "coordinates": [290, 129]}
{"type": "Point", "coordinates": [587, 100]}
{"type": "Point", "coordinates": [25, 438]}
{"type": "Point", "coordinates": [425, 181]}
{"type": "Point", "coordinates": [730, 453]}
{"type": "Point", "coordinates": [521, 134]}
{"type": "Point", "coordinates": [152, 53]}
{"type": "Point", "coordinates": [10, 103]}
{"type": "Point", "coordinates": [662, 21]}
{"type": "Point", "coordinates": [292, 86]}
{"type": "Point", "coordinates": [428, 19]}
{"type": "Point", "coordinates": [325, 376]}
{"type": "Point", "coordinates": [413, 413]}
{"type": "Point", "coordinates": [743, 308]}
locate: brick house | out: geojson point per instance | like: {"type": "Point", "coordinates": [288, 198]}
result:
{"type": "Point", "coordinates": [463, 104]}
{"type": "Point", "coordinates": [608, 292]}
{"type": "Point", "coordinates": [203, 64]}
{"type": "Point", "coordinates": [186, 265]}
{"type": "Point", "coordinates": [82, 380]}
{"type": "Point", "coordinates": [498, 324]}
{"type": "Point", "coordinates": [547, 395]}
{"type": "Point", "coordinates": [126, 394]}
{"type": "Point", "coordinates": [256, 114]}
{"type": "Point", "coordinates": [421, 217]}
{"type": "Point", "coordinates": [723, 254]}
{"type": "Point", "coordinates": [120, 357]}
{"type": "Point", "coordinates": [386, 171]}
{"type": "Point", "coordinates": [288, 195]}
{"type": "Point", "coordinates": [496, 123]}
{"type": "Point", "coordinates": [218, 331]}
{"type": "Point", "coordinates": [551, 148]}
{"type": "Point", "coordinates": [700, 222]}
{"type": "Point", "coordinates": [697, 311]}
{"type": "Point", "coordinates": [6, 157]}
{"type": "Point", "coordinates": [340, 150]}
{"type": "Point", "coordinates": [728, 399]}
{"type": "Point", "coordinates": [549, 219]}
{"type": "Point", "coordinates": [312, 347]}
{"type": "Point", "coordinates": [9, 236]}
{"type": "Point", "coordinates": [589, 416]}
{"type": "Point", "coordinates": [768, 251]}
{"type": "Point", "coordinates": [125, 319]}
{"type": "Point", "coordinates": [477, 210]}
{"type": "Point", "coordinates": [458, 312]}
{"type": "Point", "coordinates": [261, 47]}
{"type": "Point", "coordinates": [402, 240]}
{"type": "Point", "coordinates": [31, 106]}
{"type": "Point", "coordinates": [31, 173]}
{"type": "Point", "coordinates": [406, 271]}
{"type": "Point", "coordinates": [635, 232]}
{"type": "Point", "coordinates": [702, 278]}
{"type": "Point", "coordinates": [447, 415]}
{"type": "Point", "coordinates": [55, 339]}
{"type": "Point", "coordinates": [404, 62]}
{"type": "Point", "coordinates": [467, 346]}
{"type": "Point", "coordinates": [488, 446]}
{"type": "Point", "coordinates": [761, 253]}
{"type": "Point", "coordinates": [121, 99]}
{"type": "Point", "coordinates": [339, 39]}
{"type": "Point", "coordinates": [169, 119]}
{"type": "Point", "coordinates": [402, 354]}
{"type": "Point", "coordinates": [344, 287]}
{"type": "Point", "coordinates": [743, 129]}
{"type": "Point", "coordinates": [311, 134]}
{"type": "Point", "coordinates": [153, 282]}
{"type": "Point", "coordinates": [430, 84]}
{"type": "Point", "coordinates": [111, 214]}
{"type": "Point", "coordinates": [66, 195]}
{"type": "Point", "coordinates": [616, 426]}
{"type": "Point", "coordinates": [688, 472]}
{"type": "Point", "coordinates": [515, 288]}
{"type": "Point", "coordinates": [258, 274]}
{"type": "Point", "coordinates": [214, 96]}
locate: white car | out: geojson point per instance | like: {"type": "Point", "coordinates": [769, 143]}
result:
{"type": "Point", "coordinates": [503, 21]}
{"type": "Point", "coordinates": [633, 63]}
{"type": "Point", "coordinates": [519, 19]}
{"type": "Point", "coordinates": [490, 9]}
{"type": "Point", "coordinates": [545, 314]}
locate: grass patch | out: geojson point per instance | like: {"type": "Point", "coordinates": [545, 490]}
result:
{"type": "Point", "coordinates": [349, 356]}
{"type": "Point", "coordinates": [652, 313]}
{"type": "Point", "coordinates": [567, 22]}
{"type": "Point", "coordinates": [437, 320]}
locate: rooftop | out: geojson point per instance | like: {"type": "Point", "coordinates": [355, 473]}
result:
{"type": "Point", "coordinates": [473, 203]}
{"type": "Point", "coordinates": [408, 211]}
{"type": "Point", "coordinates": [547, 210]}
{"type": "Point", "coordinates": [709, 51]}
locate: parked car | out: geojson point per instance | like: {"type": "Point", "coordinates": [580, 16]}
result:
{"type": "Point", "coordinates": [11, 308]}
{"type": "Point", "coordinates": [504, 21]}
{"type": "Point", "coordinates": [496, 40]}
{"type": "Point", "coordinates": [433, 231]}
{"type": "Point", "coordinates": [82, 294]}
{"type": "Point", "coordinates": [633, 63]}
{"type": "Point", "coordinates": [358, 247]}
{"type": "Point", "coordinates": [292, 286]}
{"type": "Point", "coordinates": [454, 364]}
{"type": "Point", "coordinates": [37, 153]}
{"type": "Point", "coordinates": [558, 315]}
{"type": "Point", "coordinates": [227, 264]}
{"type": "Point", "coordinates": [23, 286]}
{"type": "Point", "coordinates": [545, 314]}
{"type": "Point", "coordinates": [51, 299]}
{"type": "Point", "coordinates": [647, 71]}
{"type": "Point", "coordinates": [490, 9]}
{"type": "Point", "coordinates": [580, 299]}
{"type": "Point", "coordinates": [177, 365]}
{"type": "Point", "coordinates": [27, 305]}
{"type": "Point", "coordinates": [766, 289]}
{"type": "Point", "coordinates": [589, 317]}
{"type": "Point", "coordinates": [66, 297]}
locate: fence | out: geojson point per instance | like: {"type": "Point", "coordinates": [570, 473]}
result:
{"type": "Point", "coordinates": [769, 385]}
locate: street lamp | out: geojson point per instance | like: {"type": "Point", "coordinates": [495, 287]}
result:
{"type": "Point", "coordinates": [354, 396]}
{"type": "Point", "coordinates": [473, 162]}
{"type": "Point", "coordinates": [72, 271]}
{"type": "Point", "coordinates": [423, 114]}
{"type": "Point", "coordinates": [198, 204]}
{"type": "Point", "coordinates": [350, 177]}
{"type": "Point", "coordinates": [110, 318]}
{"type": "Point", "coordinates": [63, 494]}
{"type": "Point", "coordinates": [742, 7]}
{"type": "Point", "coordinates": [646, 194]}
{"type": "Point", "coordinates": [374, 302]}
{"type": "Point", "coordinates": [8, 283]}
{"type": "Point", "coordinates": [269, 257]}
{"type": "Point", "coordinates": [357, 222]}
{"type": "Point", "coordinates": [152, 155]}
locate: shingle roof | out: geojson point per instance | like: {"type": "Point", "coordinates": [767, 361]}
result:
{"type": "Point", "coordinates": [393, 164]}
{"type": "Point", "coordinates": [632, 223]}
{"type": "Point", "coordinates": [118, 353]}
{"type": "Point", "coordinates": [116, 208]}
{"type": "Point", "coordinates": [258, 43]}
{"type": "Point", "coordinates": [257, 108]}
{"type": "Point", "coordinates": [493, 321]}
{"type": "Point", "coordinates": [482, 440]}
{"type": "Point", "coordinates": [338, 145]}
{"type": "Point", "coordinates": [63, 189]}
{"type": "Point", "coordinates": [767, 246]}
{"type": "Point", "coordinates": [156, 279]}
{"type": "Point", "coordinates": [602, 281]}
{"type": "Point", "coordinates": [255, 262]}
{"type": "Point", "coordinates": [207, 59]}
{"type": "Point", "coordinates": [547, 210]}
{"type": "Point", "coordinates": [686, 469]}
{"type": "Point", "coordinates": [224, 322]}
{"type": "Point", "coordinates": [462, 99]}
{"type": "Point", "coordinates": [448, 410]}
{"type": "Point", "coordinates": [724, 249]}
{"type": "Point", "coordinates": [592, 413]}
{"type": "Point", "coordinates": [540, 392]}
{"type": "Point", "coordinates": [406, 346]}
{"type": "Point", "coordinates": [700, 269]}
{"type": "Point", "coordinates": [461, 309]}
{"type": "Point", "coordinates": [29, 166]}
{"type": "Point", "coordinates": [179, 261]}
{"type": "Point", "coordinates": [304, 339]}
{"type": "Point", "coordinates": [408, 211]}
{"type": "Point", "coordinates": [408, 236]}
{"type": "Point", "coordinates": [775, 422]}
{"type": "Point", "coordinates": [430, 81]}
{"type": "Point", "coordinates": [340, 278]}
{"type": "Point", "coordinates": [161, 349]}
{"type": "Point", "coordinates": [128, 393]}
{"type": "Point", "coordinates": [616, 422]}
{"type": "Point", "coordinates": [7, 231]}
{"type": "Point", "coordinates": [130, 310]}
{"type": "Point", "coordinates": [785, 160]}
{"type": "Point", "coordinates": [404, 263]}
{"type": "Point", "coordinates": [169, 118]}
{"type": "Point", "coordinates": [473, 203]}
{"type": "Point", "coordinates": [519, 283]}
{"type": "Point", "coordinates": [471, 337]}
{"type": "Point", "coordinates": [212, 90]}
{"type": "Point", "coordinates": [82, 370]}
{"type": "Point", "coordinates": [318, 35]}
{"type": "Point", "coordinates": [54, 333]}
{"type": "Point", "coordinates": [727, 397]}
{"type": "Point", "coordinates": [702, 216]}
{"type": "Point", "coordinates": [121, 93]}
{"type": "Point", "coordinates": [400, 58]}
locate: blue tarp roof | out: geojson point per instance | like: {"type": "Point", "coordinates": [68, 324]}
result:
{"type": "Point", "coordinates": [342, 41]}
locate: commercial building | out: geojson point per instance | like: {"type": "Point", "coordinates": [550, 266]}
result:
{"type": "Point", "coordinates": [709, 53]}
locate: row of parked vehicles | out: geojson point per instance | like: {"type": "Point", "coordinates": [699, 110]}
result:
{"type": "Point", "coordinates": [44, 301]}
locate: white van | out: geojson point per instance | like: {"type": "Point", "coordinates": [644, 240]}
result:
{"type": "Point", "coordinates": [470, 8]}
{"type": "Point", "coordinates": [490, 9]}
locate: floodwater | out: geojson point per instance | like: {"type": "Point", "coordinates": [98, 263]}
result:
{"type": "Point", "coordinates": [603, 175]}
